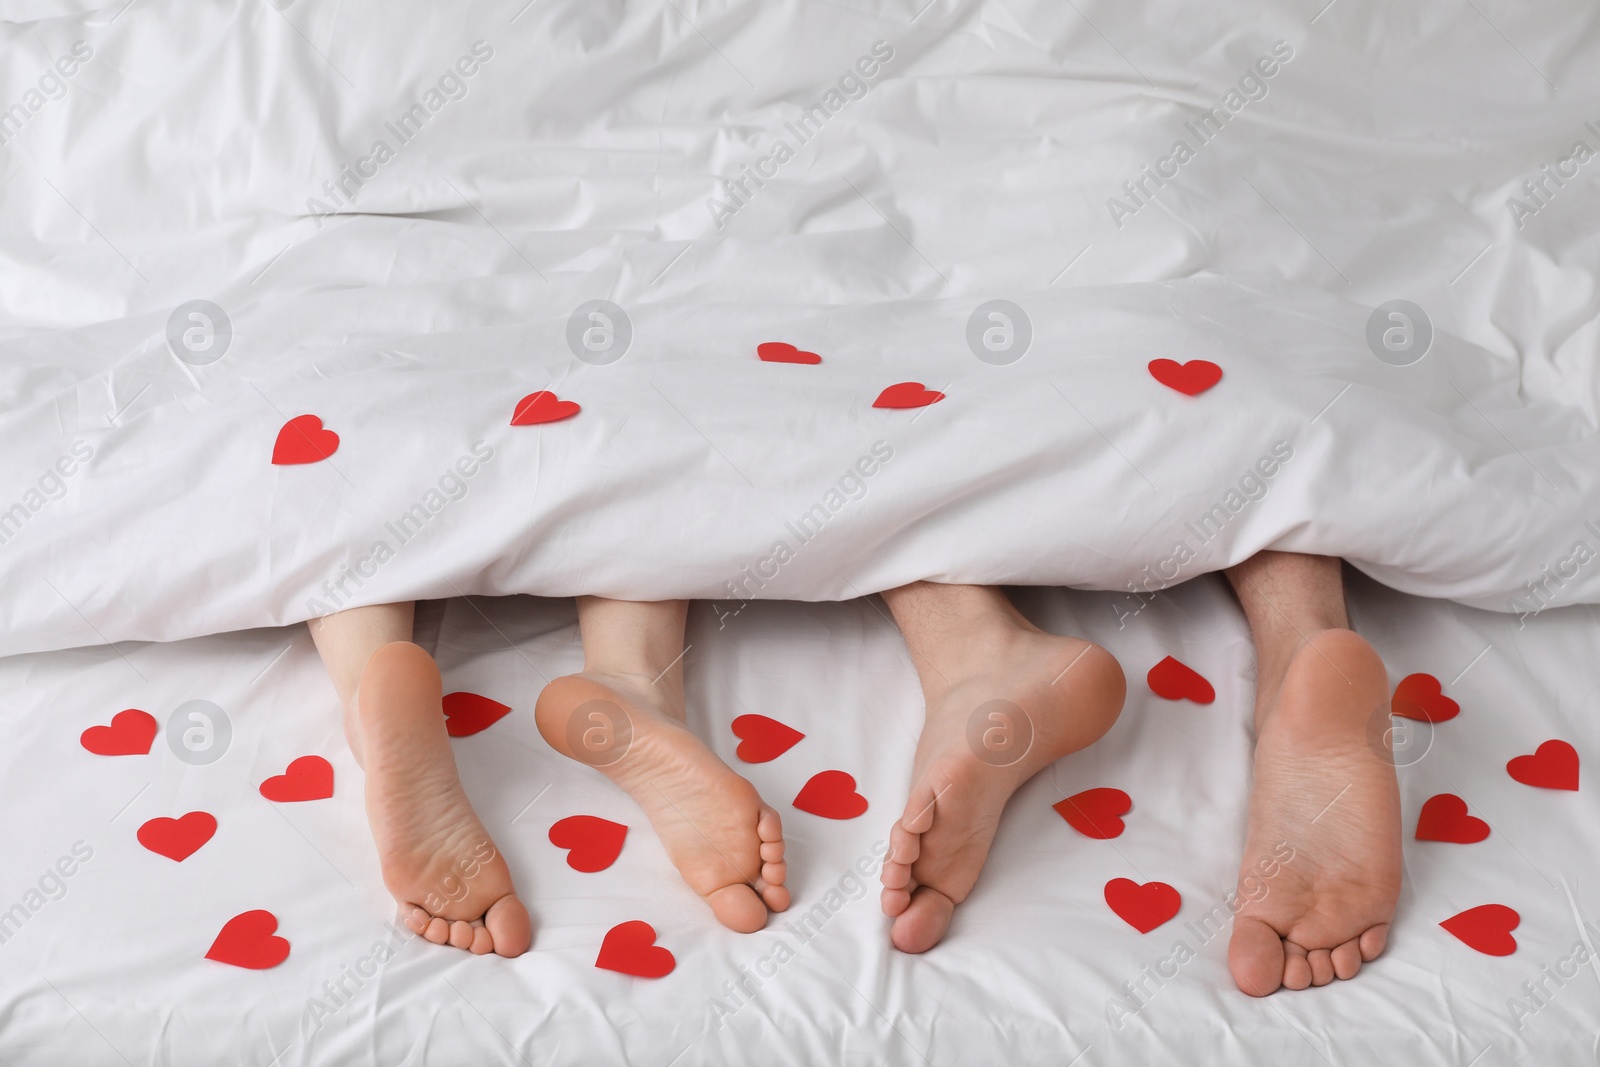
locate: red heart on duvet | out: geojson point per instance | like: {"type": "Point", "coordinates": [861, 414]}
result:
{"type": "Point", "coordinates": [130, 734]}
{"type": "Point", "coordinates": [1173, 680]}
{"type": "Point", "coordinates": [466, 714]}
{"type": "Point", "coordinates": [536, 408]}
{"type": "Point", "coordinates": [1421, 697]}
{"type": "Point", "coordinates": [247, 940]}
{"type": "Point", "coordinates": [303, 440]}
{"type": "Point", "coordinates": [762, 740]}
{"type": "Point", "coordinates": [1096, 813]}
{"type": "Point", "coordinates": [783, 352]}
{"type": "Point", "coordinates": [307, 778]}
{"type": "Point", "coordinates": [631, 948]}
{"type": "Point", "coordinates": [1143, 907]}
{"type": "Point", "coordinates": [592, 843]}
{"type": "Point", "coordinates": [907, 395]}
{"type": "Point", "coordinates": [1553, 765]}
{"type": "Point", "coordinates": [1445, 818]}
{"type": "Point", "coordinates": [1191, 378]}
{"type": "Point", "coordinates": [178, 839]}
{"type": "Point", "coordinates": [832, 795]}
{"type": "Point", "coordinates": [1486, 928]}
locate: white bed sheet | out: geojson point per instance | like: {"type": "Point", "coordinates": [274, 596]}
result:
{"type": "Point", "coordinates": [113, 971]}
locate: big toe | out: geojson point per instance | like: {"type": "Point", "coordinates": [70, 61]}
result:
{"type": "Point", "coordinates": [738, 908]}
{"type": "Point", "coordinates": [509, 925]}
{"type": "Point", "coordinates": [1255, 957]}
{"type": "Point", "coordinates": [924, 921]}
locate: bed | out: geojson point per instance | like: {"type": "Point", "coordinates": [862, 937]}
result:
{"type": "Point", "coordinates": [776, 307]}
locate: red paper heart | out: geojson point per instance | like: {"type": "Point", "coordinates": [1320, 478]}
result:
{"type": "Point", "coordinates": [762, 740]}
{"type": "Point", "coordinates": [1191, 378]}
{"type": "Point", "coordinates": [466, 714]}
{"type": "Point", "coordinates": [592, 843]}
{"type": "Point", "coordinates": [307, 778]}
{"type": "Point", "coordinates": [631, 948]}
{"type": "Point", "coordinates": [1553, 765]}
{"type": "Point", "coordinates": [1143, 907]}
{"type": "Point", "coordinates": [130, 734]}
{"type": "Point", "coordinates": [178, 839]}
{"type": "Point", "coordinates": [832, 795]}
{"type": "Point", "coordinates": [1173, 680]}
{"type": "Point", "coordinates": [907, 395]}
{"type": "Point", "coordinates": [783, 352]}
{"type": "Point", "coordinates": [1486, 928]}
{"type": "Point", "coordinates": [536, 408]}
{"type": "Point", "coordinates": [247, 940]}
{"type": "Point", "coordinates": [1445, 818]}
{"type": "Point", "coordinates": [303, 440]}
{"type": "Point", "coordinates": [1421, 697]}
{"type": "Point", "coordinates": [1096, 812]}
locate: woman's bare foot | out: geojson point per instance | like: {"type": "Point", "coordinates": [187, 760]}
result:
{"type": "Point", "coordinates": [1322, 789]}
{"type": "Point", "coordinates": [724, 840]}
{"type": "Point", "coordinates": [1004, 700]}
{"type": "Point", "coordinates": [452, 885]}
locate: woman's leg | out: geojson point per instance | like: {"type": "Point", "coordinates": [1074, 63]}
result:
{"type": "Point", "coordinates": [451, 883]}
{"type": "Point", "coordinates": [624, 716]}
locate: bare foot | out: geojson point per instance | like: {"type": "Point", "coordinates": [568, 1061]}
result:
{"type": "Point", "coordinates": [724, 840]}
{"type": "Point", "coordinates": [452, 885]}
{"type": "Point", "coordinates": [1035, 697]}
{"type": "Point", "coordinates": [1322, 791]}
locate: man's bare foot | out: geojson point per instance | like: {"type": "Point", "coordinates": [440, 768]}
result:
{"type": "Point", "coordinates": [1322, 790]}
{"type": "Point", "coordinates": [724, 840]}
{"type": "Point", "coordinates": [452, 885]}
{"type": "Point", "coordinates": [1010, 700]}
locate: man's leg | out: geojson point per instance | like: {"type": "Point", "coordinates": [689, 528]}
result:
{"type": "Point", "coordinates": [451, 883]}
{"type": "Point", "coordinates": [1003, 700]}
{"type": "Point", "coordinates": [624, 716]}
{"type": "Point", "coordinates": [1321, 869]}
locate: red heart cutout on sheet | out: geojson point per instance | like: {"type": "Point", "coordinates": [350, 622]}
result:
{"type": "Point", "coordinates": [130, 734]}
{"type": "Point", "coordinates": [631, 948]}
{"type": "Point", "coordinates": [307, 778]}
{"type": "Point", "coordinates": [907, 395]}
{"type": "Point", "coordinates": [1486, 928]}
{"type": "Point", "coordinates": [1421, 697]}
{"type": "Point", "coordinates": [1444, 818]}
{"type": "Point", "coordinates": [1553, 765]}
{"type": "Point", "coordinates": [303, 440]}
{"type": "Point", "coordinates": [832, 795]}
{"type": "Point", "coordinates": [783, 352]}
{"type": "Point", "coordinates": [466, 714]}
{"type": "Point", "coordinates": [1143, 907]}
{"type": "Point", "coordinates": [1173, 680]}
{"type": "Point", "coordinates": [762, 740]}
{"type": "Point", "coordinates": [178, 839]}
{"type": "Point", "coordinates": [592, 843]}
{"type": "Point", "coordinates": [247, 940]}
{"type": "Point", "coordinates": [540, 407]}
{"type": "Point", "coordinates": [1096, 813]}
{"type": "Point", "coordinates": [1191, 378]}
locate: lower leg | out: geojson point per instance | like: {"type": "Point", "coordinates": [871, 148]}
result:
{"type": "Point", "coordinates": [346, 642]}
{"type": "Point", "coordinates": [1320, 875]}
{"type": "Point", "coordinates": [624, 715]}
{"type": "Point", "coordinates": [1003, 699]}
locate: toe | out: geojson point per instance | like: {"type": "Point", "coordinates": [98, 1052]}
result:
{"type": "Point", "coordinates": [904, 846]}
{"type": "Point", "coordinates": [1321, 961]}
{"type": "Point", "coordinates": [437, 931]}
{"type": "Point", "coordinates": [895, 901]}
{"type": "Point", "coordinates": [738, 908]}
{"type": "Point", "coordinates": [776, 897]}
{"type": "Point", "coordinates": [918, 816]}
{"type": "Point", "coordinates": [1347, 959]}
{"type": "Point", "coordinates": [1296, 971]}
{"type": "Point", "coordinates": [770, 827]}
{"type": "Point", "coordinates": [1256, 957]}
{"type": "Point", "coordinates": [774, 873]}
{"type": "Point", "coordinates": [510, 928]}
{"type": "Point", "coordinates": [924, 922]}
{"type": "Point", "coordinates": [772, 851]}
{"type": "Point", "coordinates": [1373, 940]}
{"type": "Point", "coordinates": [461, 934]}
{"type": "Point", "coordinates": [482, 940]}
{"type": "Point", "coordinates": [896, 876]}
{"type": "Point", "coordinates": [416, 920]}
